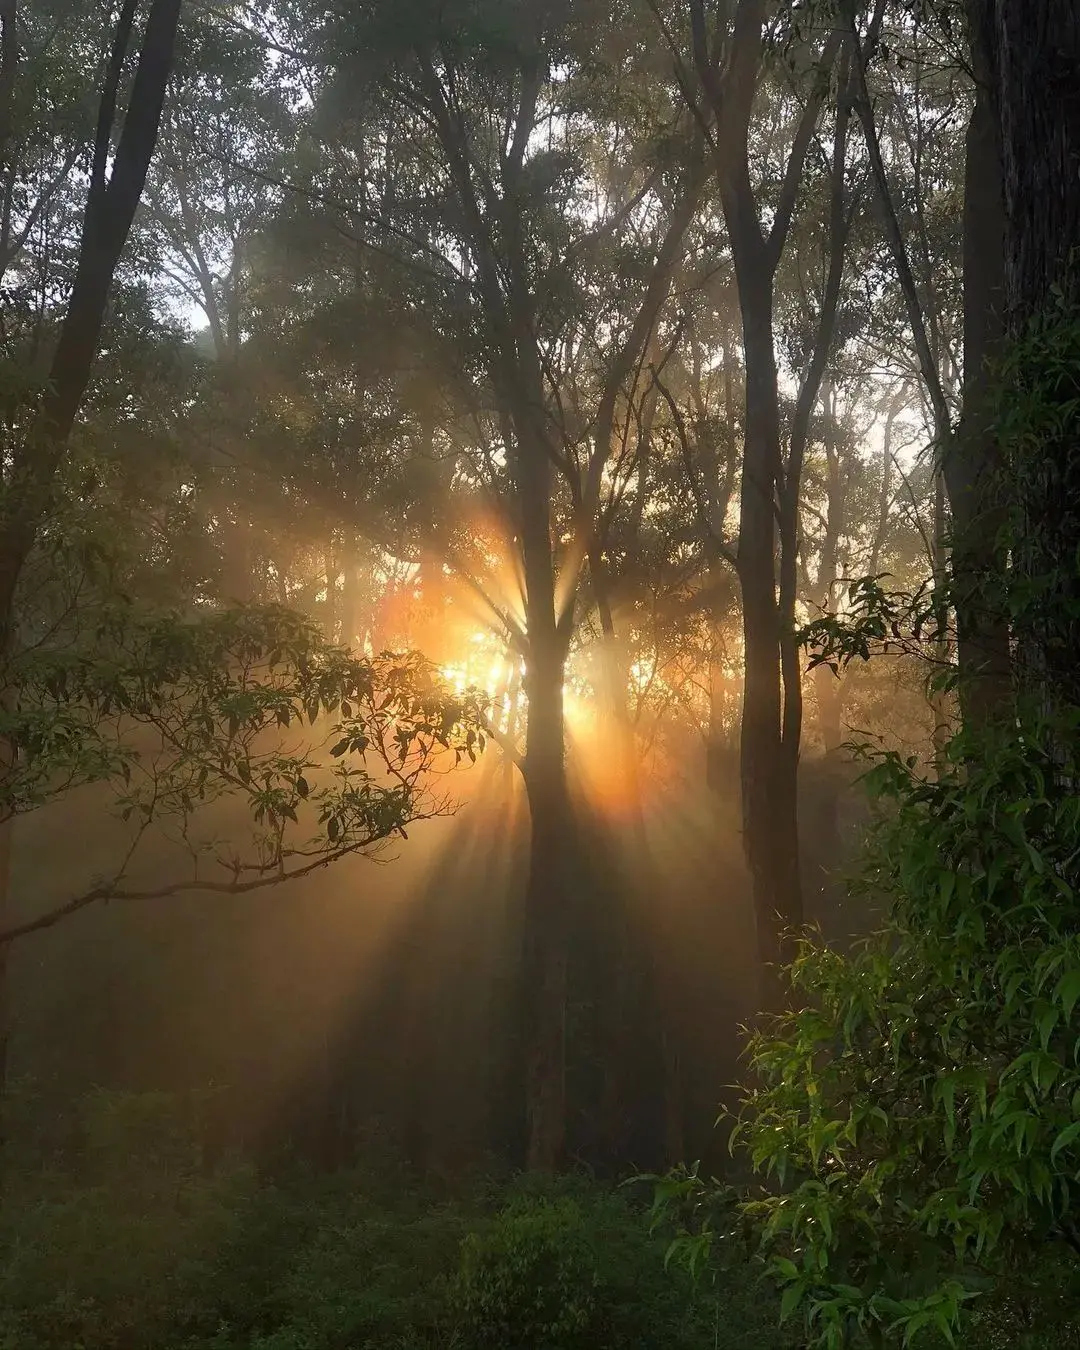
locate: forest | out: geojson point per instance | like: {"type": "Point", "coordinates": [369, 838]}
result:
{"type": "Point", "coordinates": [539, 674]}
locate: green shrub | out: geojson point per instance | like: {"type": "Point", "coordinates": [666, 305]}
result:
{"type": "Point", "coordinates": [566, 1266]}
{"type": "Point", "coordinates": [919, 1111]}
{"type": "Point", "coordinates": [533, 1280]}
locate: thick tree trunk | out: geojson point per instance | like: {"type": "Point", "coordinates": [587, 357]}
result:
{"type": "Point", "coordinates": [6, 829]}
{"type": "Point", "coordinates": [354, 628]}
{"type": "Point", "coordinates": [624, 979]}
{"type": "Point", "coordinates": [1036, 51]}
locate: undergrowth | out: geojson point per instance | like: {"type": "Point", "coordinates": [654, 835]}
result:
{"type": "Point", "coordinates": [125, 1240]}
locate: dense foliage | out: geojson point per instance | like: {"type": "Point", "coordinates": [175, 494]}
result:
{"type": "Point", "coordinates": [920, 1111]}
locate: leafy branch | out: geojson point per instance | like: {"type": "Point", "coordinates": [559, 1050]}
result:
{"type": "Point", "coordinates": [328, 754]}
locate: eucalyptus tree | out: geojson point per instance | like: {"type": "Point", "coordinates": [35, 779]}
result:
{"type": "Point", "coordinates": [228, 123]}
{"type": "Point", "coordinates": [890, 1268]}
{"type": "Point", "coordinates": [721, 60]}
{"type": "Point", "coordinates": [501, 188]}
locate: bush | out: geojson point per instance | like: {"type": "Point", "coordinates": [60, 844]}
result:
{"type": "Point", "coordinates": [919, 1114]}
{"type": "Point", "coordinates": [573, 1266]}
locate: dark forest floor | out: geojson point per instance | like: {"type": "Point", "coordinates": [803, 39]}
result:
{"type": "Point", "coordinates": [116, 1235]}
{"type": "Point", "coordinates": [123, 1242]}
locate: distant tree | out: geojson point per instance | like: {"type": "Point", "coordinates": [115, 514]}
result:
{"type": "Point", "coordinates": [721, 67]}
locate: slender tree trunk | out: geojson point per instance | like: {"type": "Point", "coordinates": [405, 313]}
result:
{"type": "Point", "coordinates": [332, 617]}
{"type": "Point", "coordinates": [768, 771]}
{"type": "Point", "coordinates": [720, 481]}
{"type": "Point", "coordinates": [718, 758]}
{"type": "Point", "coordinates": [830, 711]}
{"type": "Point", "coordinates": [547, 898]}
{"type": "Point", "coordinates": [769, 744]}
{"type": "Point", "coordinates": [937, 697]}
{"type": "Point", "coordinates": [885, 495]}
{"type": "Point", "coordinates": [110, 209]}
{"type": "Point", "coordinates": [552, 836]}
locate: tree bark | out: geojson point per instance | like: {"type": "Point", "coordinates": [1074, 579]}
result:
{"type": "Point", "coordinates": [494, 230]}
{"type": "Point", "coordinates": [1036, 53]}
{"type": "Point", "coordinates": [547, 894]}
{"type": "Point", "coordinates": [971, 460]}
{"type": "Point", "coordinates": [546, 918]}
{"type": "Point", "coordinates": [769, 796]}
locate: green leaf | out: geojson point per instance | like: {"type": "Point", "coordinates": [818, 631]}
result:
{"type": "Point", "coordinates": [1066, 1137]}
{"type": "Point", "coordinates": [790, 1300]}
{"type": "Point", "coordinates": [1068, 991]}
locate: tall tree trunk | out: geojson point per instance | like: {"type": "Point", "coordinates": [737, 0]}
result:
{"type": "Point", "coordinates": [1036, 52]}
{"type": "Point", "coordinates": [625, 1028]}
{"type": "Point", "coordinates": [500, 256]}
{"type": "Point", "coordinates": [6, 831]}
{"type": "Point", "coordinates": [937, 697]}
{"type": "Point", "coordinates": [769, 744]}
{"type": "Point", "coordinates": [885, 495]}
{"type": "Point", "coordinates": [546, 918]}
{"type": "Point", "coordinates": [111, 201]}
{"type": "Point", "coordinates": [718, 745]}
{"type": "Point", "coordinates": [767, 771]}
{"type": "Point", "coordinates": [828, 688]}
{"type": "Point", "coordinates": [332, 613]}
{"type": "Point", "coordinates": [970, 461]}
{"type": "Point", "coordinates": [552, 836]}
{"type": "Point", "coordinates": [353, 625]}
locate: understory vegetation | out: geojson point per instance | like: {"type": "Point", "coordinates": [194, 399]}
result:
{"type": "Point", "coordinates": [125, 1239]}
